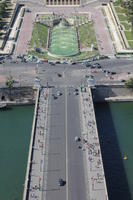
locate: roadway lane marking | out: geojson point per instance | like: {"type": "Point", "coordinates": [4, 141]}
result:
{"type": "Point", "coordinates": [66, 144]}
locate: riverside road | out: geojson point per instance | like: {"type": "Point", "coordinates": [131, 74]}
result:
{"type": "Point", "coordinates": [25, 73]}
{"type": "Point", "coordinates": [65, 159]}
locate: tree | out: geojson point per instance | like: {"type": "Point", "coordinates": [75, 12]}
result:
{"type": "Point", "coordinates": [129, 83]}
{"type": "Point", "coordinates": [9, 84]}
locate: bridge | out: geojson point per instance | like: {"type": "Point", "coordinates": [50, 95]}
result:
{"type": "Point", "coordinates": [54, 154]}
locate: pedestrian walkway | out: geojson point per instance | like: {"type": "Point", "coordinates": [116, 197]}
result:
{"type": "Point", "coordinates": [25, 34]}
{"type": "Point", "coordinates": [35, 174]}
{"type": "Point", "coordinates": [105, 45]}
{"type": "Point", "coordinates": [96, 177]}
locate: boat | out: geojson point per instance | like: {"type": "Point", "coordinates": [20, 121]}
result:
{"type": "Point", "coordinates": [125, 157]}
{"type": "Point", "coordinates": [3, 105]}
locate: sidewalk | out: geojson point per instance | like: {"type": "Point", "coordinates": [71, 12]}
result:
{"type": "Point", "coordinates": [25, 34]}
{"type": "Point", "coordinates": [36, 173]}
{"type": "Point", "coordinates": [96, 178]}
{"type": "Point", "coordinates": [103, 38]}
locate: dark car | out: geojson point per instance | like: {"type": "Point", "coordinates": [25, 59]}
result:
{"type": "Point", "coordinates": [87, 64]}
{"type": "Point", "coordinates": [61, 182]}
{"type": "Point", "coordinates": [97, 65]}
{"type": "Point", "coordinates": [113, 73]}
{"type": "Point", "coordinates": [59, 75]}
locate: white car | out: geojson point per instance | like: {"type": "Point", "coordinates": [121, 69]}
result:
{"type": "Point", "coordinates": [58, 93]}
{"type": "Point", "coordinates": [77, 139]}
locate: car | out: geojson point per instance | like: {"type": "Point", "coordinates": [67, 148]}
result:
{"type": "Point", "coordinates": [113, 73]}
{"type": "Point", "coordinates": [61, 182]}
{"type": "Point", "coordinates": [77, 139]}
{"type": "Point", "coordinates": [73, 63]}
{"type": "Point", "coordinates": [88, 64]}
{"type": "Point", "coordinates": [54, 96]}
{"type": "Point", "coordinates": [76, 90]}
{"type": "Point", "coordinates": [59, 75]}
{"type": "Point", "coordinates": [58, 93]}
{"type": "Point", "coordinates": [27, 10]}
{"type": "Point", "coordinates": [123, 80]}
{"type": "Point", "coordinates": [76, 93]}
{"type": "Point", "coordinates": [97, 65]}
{"type": "Point", "coordinates": [57, 62]}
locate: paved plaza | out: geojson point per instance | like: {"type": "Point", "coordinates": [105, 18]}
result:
{"type": "Point", "coordinates": [24, 38]}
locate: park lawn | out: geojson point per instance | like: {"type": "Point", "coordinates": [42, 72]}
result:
{"type": "Point", "coordinates": [119, 9]}
{"type": "Point", "coordinates": [122, 17]}
{"type": "Point", "coordinates": [126, 25]}
{"type": "Point", "coordinates": [130, 44]}
{"type": "Point", "coordinates": [84, 55]}
{"type": "Point", "coordinates": [87, 35]}
{"type": "Point", "coordinates": [116, 3]}
{"type": "Point", "coordinates": [39, 36]}
{"type": "Point", "coordinates": [129, 35]}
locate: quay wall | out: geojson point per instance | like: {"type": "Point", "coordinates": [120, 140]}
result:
{"type": "Point", "coordinates": [101, 92]}
{"type": "Point", "coordinates": [18, 95]}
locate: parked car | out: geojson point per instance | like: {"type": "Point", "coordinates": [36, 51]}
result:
{"type": "Point", "coordinates": [97, 65]}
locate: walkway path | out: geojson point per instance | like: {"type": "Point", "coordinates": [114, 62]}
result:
{"type": "Point", "coordinates": [96, 178]}
{"type": "Point", "coordinates": [103, 38]}
{"type": "Point", "coordinates": [35, 177]}
{"type": "Point", "coordinates": [25, 34]}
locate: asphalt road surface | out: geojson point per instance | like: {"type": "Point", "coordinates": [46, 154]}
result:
{"type": "Point", "coordinates": [65, 159]}
{"type": "Point", "coordinates": [72, 75]}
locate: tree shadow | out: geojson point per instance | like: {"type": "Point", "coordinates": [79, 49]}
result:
{"type": "Point", "coordinates": [116, 178]}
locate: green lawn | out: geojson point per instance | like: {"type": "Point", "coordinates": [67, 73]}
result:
{"type": "Point", "coordinates": [121, 12]}
{"type": "Point", "coordinates": [39, 36]}
{"type": "Point", "coordinates": [122, 17]}
{"type": "Point", "coordinates": [126, 25]}
{"type": "Point", "coordinates": [129, 35]}
{"type": "Point", "coordinates": [130, 44]}
{"type": "Point", "coordinates": [119, 9]}
{"type": "Point", "coordinates": [87, 35]}
{"type": "Point", "coordinates": [84, 55]}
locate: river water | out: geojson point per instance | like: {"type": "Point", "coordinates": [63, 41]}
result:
{"type": "Point", "coordinates": [15, 130]}
{"type": "Point", "coordinates": [115, 126]}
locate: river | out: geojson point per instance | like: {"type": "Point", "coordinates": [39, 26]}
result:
{"type": "Point", "coordinates": [15, 130]}
{"type": "Point", "coordinates": [115, 126]}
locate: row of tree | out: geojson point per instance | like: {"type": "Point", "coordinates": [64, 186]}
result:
{"type": "Point", "coordinates": [3, 6]}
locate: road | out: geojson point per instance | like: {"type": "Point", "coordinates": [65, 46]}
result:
{"type": "Point", "coordinates": [65, 159]}
{"type": "Point", "coordinates": [72, 75]}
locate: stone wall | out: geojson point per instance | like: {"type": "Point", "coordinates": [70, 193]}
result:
{"type": "Point", "coordinates": [101, 92]}
{"type": "Point", "coordinates": [18, 95]}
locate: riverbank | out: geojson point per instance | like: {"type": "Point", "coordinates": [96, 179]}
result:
{"type": "Point", "coordinates": [102, 93]}
{"type": "Point", "coordinates": [18, 96]}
